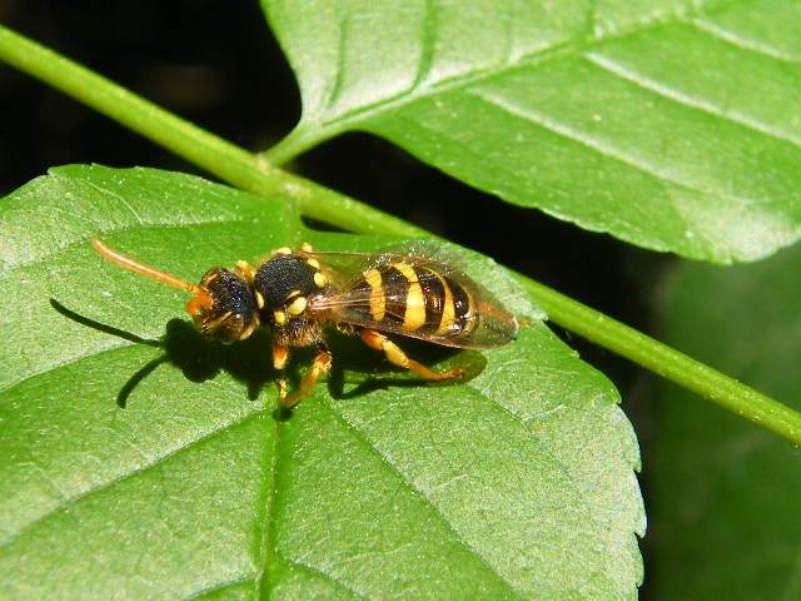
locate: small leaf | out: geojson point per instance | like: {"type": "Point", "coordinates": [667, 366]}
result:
{"type": "Point", "coordinates": [666, 124]}
{"type": "Point", "coordinates": [515, 484]}
{"type": "Point", "coordinates": [725, 494]}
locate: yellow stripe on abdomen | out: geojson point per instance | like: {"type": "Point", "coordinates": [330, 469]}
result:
{"type": "Point", "coordinates": [470, 318]}
{"type": "Point", "coordinates": [378, 301]}
{"type": "Point", "coordinates": [415, 315]}
{"type": "Point", "coordinates": [448, 310]}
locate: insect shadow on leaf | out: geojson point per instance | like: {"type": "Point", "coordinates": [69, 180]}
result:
{"type": "Point", "coordinates": [356, 366]}
{"type": "Point", "coordinates": [250, 361]}
{"type": "Point", "coordinates": [198, 358]}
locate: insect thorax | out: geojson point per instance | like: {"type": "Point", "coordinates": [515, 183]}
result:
{"type": "Point", "coordinates": [282, 278]}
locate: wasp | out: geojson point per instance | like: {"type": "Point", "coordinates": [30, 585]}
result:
{"type": "Point", "coordinates": [298, 293]}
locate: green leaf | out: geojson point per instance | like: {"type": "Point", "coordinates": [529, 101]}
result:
{"type": "Point", "coordinates": [724, 513]}
{"type": "Point", "coordinates": [666, 123]}
{"type": "Point", "coordinates": [515, 484]}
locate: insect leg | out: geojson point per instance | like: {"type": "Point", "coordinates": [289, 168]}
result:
{"type": "Point", "coordinates": [280, 357]}
{"type": "Point", "coordinates": [320, 366]}
{"type": "Point", "coordinates": [395, 355]}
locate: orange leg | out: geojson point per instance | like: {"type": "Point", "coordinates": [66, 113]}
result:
{"type": "Point", "coordinates": [321, 365]}
{"type": "Point", "coordinates": [376, 340]}
{"type": "Point", "coordinates": [280, 357]}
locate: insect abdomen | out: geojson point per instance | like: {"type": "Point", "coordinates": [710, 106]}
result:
{"type": "Point", "coordinates": [418, 299]}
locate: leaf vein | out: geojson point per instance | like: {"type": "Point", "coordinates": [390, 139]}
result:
{"type": "Point", "coordinates": [94, 490]}
{"type": "Point", "coordinates": [63, 364]}
{"type": "Point", "coordinates": [342, 48]}
{"type": "Point", "coordinates": [116, 196]}
{"type": "Point", "coordinates": [365, 442]}
{"type": "Point", "coordinates": [10, 268]}
{"type": "Point", "coordinates": [364, 112]}
{"type": "Point", "coordinates": [427, 42]}
{"type": "Point", "coordinates": [743, 43]}
{"type": "Point", "coordinates": [218, 587]}
{"type": "Point", "coordinates": [326, 576]}
{"type": "Point", "coordinates": [630, 75]}
{"type": "Point", "coordinates": [268, 533]}
{"type": "Point", "coordinates": [604, 149]}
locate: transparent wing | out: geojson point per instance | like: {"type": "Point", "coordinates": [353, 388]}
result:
{"type": "Point", "coordinates": [342, 269]}
{"type": "Point", "coordinates": [350, 300]}
{"type": "Point", "coordinates": [347, 268]}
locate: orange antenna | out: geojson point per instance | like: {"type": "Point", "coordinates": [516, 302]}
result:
{"type": "Point", "coordinates": [142, 269]}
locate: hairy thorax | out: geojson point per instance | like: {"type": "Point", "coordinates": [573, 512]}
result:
{"type": "Point", "coordinates": [284, 287]}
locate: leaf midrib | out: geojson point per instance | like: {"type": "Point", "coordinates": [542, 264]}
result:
{"type": "Point", "coordinates": [362, 439]}
{"type": "Point", "coordinates": [270, 518]}
{"type": "Point", "coordinates": [267, 533]}
{"type": "Point", "coordinates": [64, 364]}
{"type": "Point", "coordinates": [268, 547]}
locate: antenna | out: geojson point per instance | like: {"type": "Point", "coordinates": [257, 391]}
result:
{"type": "Point", "coordinates": [133, 265]}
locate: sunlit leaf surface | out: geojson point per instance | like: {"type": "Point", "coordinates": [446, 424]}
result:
{"type": "Point", "coordinates": [670, 124]}
{"type": "Point", "coordinates": [138, 461]}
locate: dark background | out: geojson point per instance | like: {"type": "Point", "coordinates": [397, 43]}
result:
{"type": "Point", "coordinates": [224, 71]}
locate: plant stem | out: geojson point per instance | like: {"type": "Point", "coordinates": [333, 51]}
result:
{"type": "Point", "coordinates": [246, 170]}
{"type": "Point", "coordinates": [218, 156]}
{"type": "Point", "coordinates": [667, 362]}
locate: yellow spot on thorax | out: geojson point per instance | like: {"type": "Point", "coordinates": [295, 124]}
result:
{"type": "Point", "coordinates": [297, 306]}
{"type": "Point", "coordinates": [320, 280]}
{"type": "Point", "coordinates": [280, 317]}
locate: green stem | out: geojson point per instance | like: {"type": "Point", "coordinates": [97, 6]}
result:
{"type": "Point", "coordinates": [248, 171]}
{"type": "Point", "coordinates": [218, 156]}
{"type": "Point", "coordinates": [296, 143]}
{"type": "Point", "coordinates": [667, 362]}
